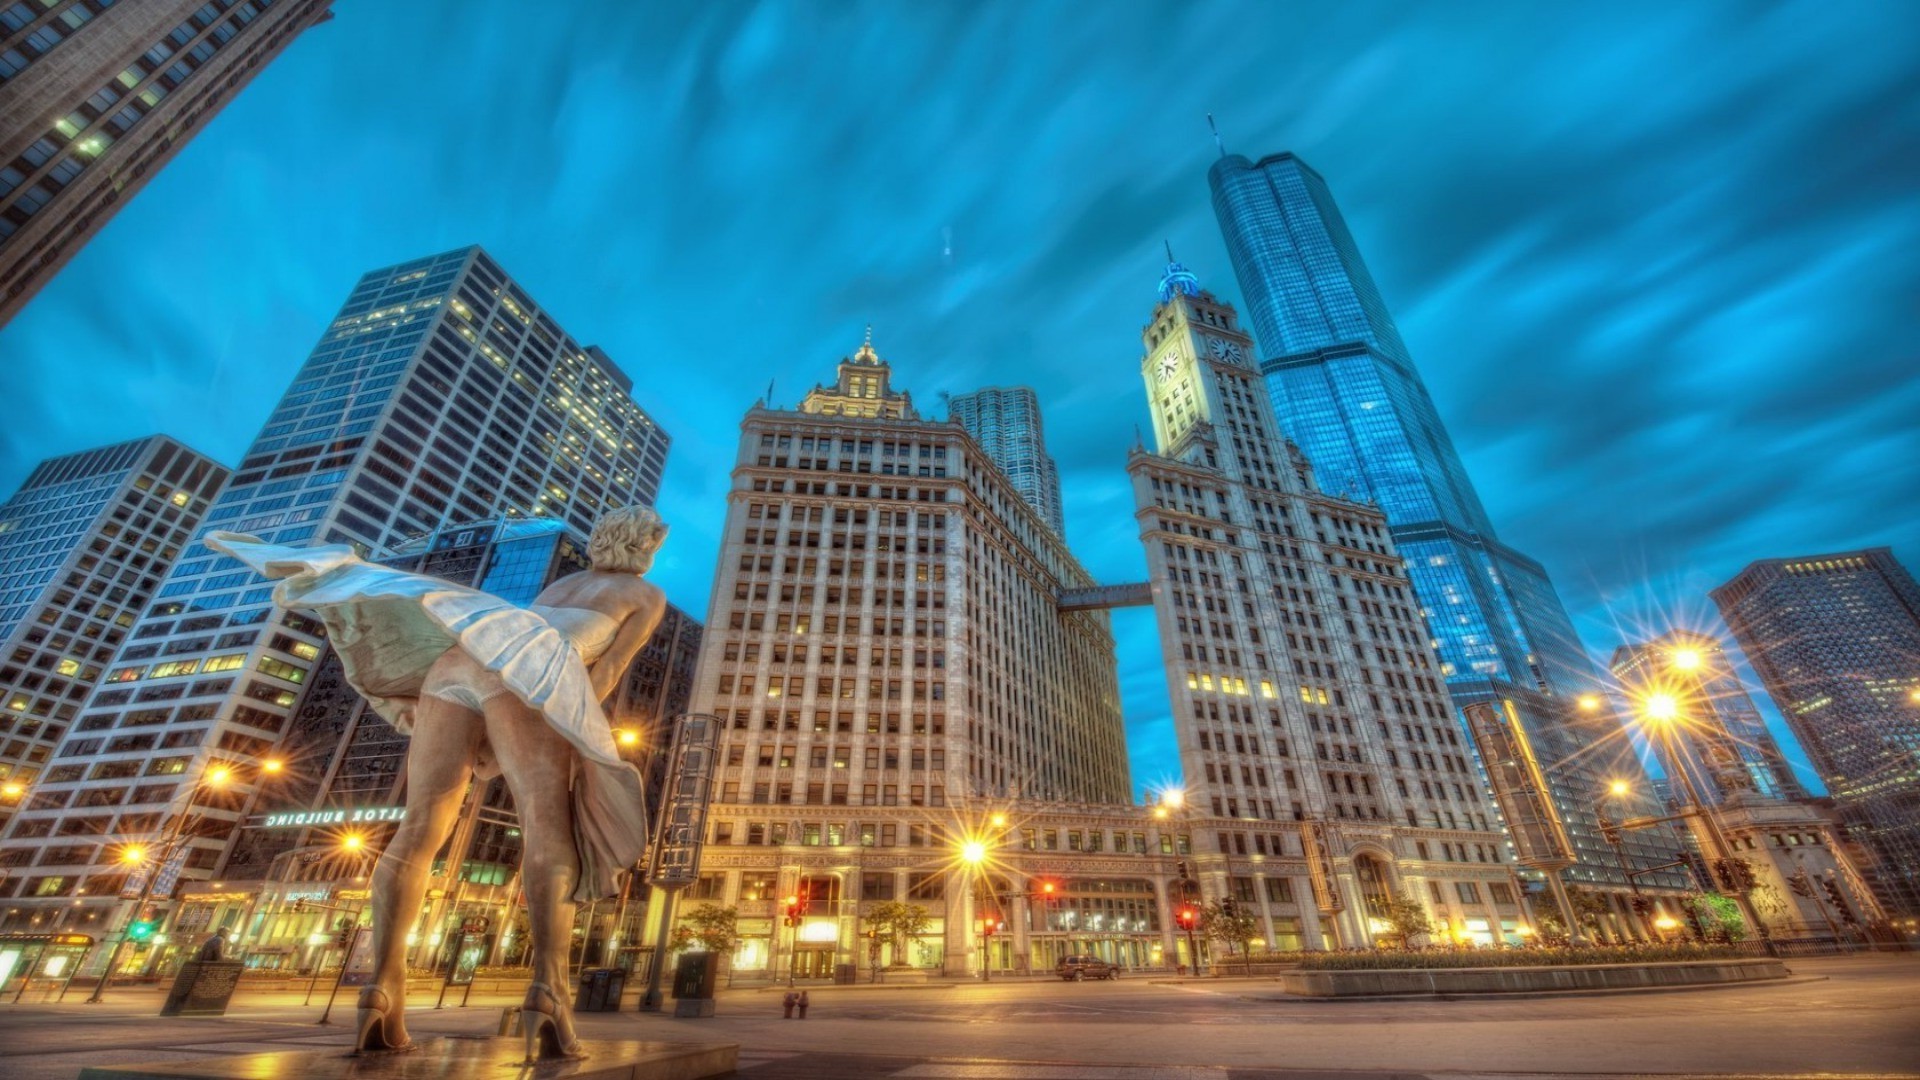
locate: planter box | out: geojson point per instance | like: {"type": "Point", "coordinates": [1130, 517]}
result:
{"type": "Point", "coordinates": [1528, 980]}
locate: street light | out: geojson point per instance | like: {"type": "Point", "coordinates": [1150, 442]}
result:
{"type": "Point", "coordinates": [1666, 713]}
{"type": "Point", "coordinates": [1685, 659]}
{"type": "Point", "coordinates": [12, 791]}
{"type": "Point", "coordinates": [1589, 702]}
{"type": "Point", "coordinates": [1619, 789]}
{"type": "Point", "coordinates": [172, 844]}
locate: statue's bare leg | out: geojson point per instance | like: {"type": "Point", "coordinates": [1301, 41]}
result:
{"type": "Point", "coordinates": [538, 764]}
{"type": "Point", "coordinates": [440, 759]}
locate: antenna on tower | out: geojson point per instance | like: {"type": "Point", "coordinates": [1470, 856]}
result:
{"type": "Point", "coordinates": [1218, 145]}
{"type": "Point", "coordinates": [1169, 244]}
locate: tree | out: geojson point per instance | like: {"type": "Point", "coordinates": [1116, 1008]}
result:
{"type": "Point", "coordinates": [1406, 919]}
{"type": "Point", "coordinates": [1229, 923]}
{"type": "Point", "coordinates": [898, 921]}
{"type": "Point", "coordinates": [709, 927]}
{"type": "Point", "coordinates": [1718, 916]}
{"type": "Point", "coordinates": [1589, 908]}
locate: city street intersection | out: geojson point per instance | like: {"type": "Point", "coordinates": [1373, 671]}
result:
{"type": "Point", "coordinates": [1846, 1016]}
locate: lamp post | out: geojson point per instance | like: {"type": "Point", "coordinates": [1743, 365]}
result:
{"type": "Point", "coordinates": [1663, 714]}
{"type": "Point", "coordinates": [973, 852]}
{"type": "Point", "coordinates": [171, 845]}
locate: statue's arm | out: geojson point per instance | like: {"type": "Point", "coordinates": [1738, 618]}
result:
{"type": "Point", "coordinates": [628, 642]}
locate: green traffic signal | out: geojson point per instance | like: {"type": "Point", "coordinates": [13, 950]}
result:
{"type": "Point", "coordinates": [141, 929]}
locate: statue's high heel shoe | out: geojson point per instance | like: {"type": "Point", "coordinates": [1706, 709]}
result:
{"type": "Point", "coordinates": [374, 1037]}
{"type": "Point", "coordinates": [549, 1025]}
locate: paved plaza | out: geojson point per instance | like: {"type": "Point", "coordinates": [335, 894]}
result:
{"type": "Point", "coordinates": [1855, 1016]}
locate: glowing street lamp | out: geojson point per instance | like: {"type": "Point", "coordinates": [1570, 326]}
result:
{"type": "Point", "coordinates": [272, 766]}
{"type": "Point", "coordinates": [1173, 797]}
{"type": "Point", "coordinates": [1685, 659]}
{"type": "Point", "coordinates": [219, 775]}
{"type": "Point", "coordinates": [973, 852]}
{"type": "Point", "coordinates": [627, 736]}
{"type": "Point", "coordinates": [1619, 789]}
{"type": "Point", "coordinates": [1662, 707]}
{"type": "Point", "coordinates": [12, 791]}
{"type": "Point", "coordinates": [1589, 702]}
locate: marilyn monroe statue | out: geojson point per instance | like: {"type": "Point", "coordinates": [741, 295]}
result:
{"type": "Point", "coordinates": [486, 687]}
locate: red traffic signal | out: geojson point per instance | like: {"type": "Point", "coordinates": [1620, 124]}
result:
{"type": "Point", "coordinates": [793, 910]}
{"type": "Point", "coordinates": [1187, 915]}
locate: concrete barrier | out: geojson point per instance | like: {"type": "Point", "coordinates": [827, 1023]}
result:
{"type": "Point", "coordinates": [1528, 980]}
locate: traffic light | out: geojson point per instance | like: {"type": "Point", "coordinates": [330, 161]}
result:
{"type": "Point", "coordinates": [1838, 899]}
{"type": "Point", "coordinates": [1048, 889]}
{"type": "Point", "coordinates": [1181, 867]}
{"type": "Point", "coordinates": [1187, 917]}
{"type": "Point", "coordinates": [793, 910]}
{"type": "Point", "coordinates": [1226, 906]}
{"type": "Point", "coordinates": [1697, 866]}
{"type": "Point", "coordinates": [141, 929]}
{"type": "Point", "coordinates": [343, 938]}
{"type": "Point", "coordinates": [1800, 883]}
{"type": "Point", "coordinates": [1643, 906]}
{"type": "Point", "coordinates": [1609, 830]}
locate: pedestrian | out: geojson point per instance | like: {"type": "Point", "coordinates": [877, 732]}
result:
{"type": "Point", "coordinates": [787, 1005]}
{"type": "Point", "coordinates": [803, 1004]}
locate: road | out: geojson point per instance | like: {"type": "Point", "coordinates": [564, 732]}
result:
{"type": "Point", "coordinates": [1838, 1016]}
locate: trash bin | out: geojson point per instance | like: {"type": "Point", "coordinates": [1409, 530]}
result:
{"type": "Point", "coordinates": [843, 974]}
{"type": "Point", "coordinates": [600, 990]}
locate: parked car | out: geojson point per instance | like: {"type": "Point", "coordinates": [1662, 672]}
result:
{"type": "Point", "coordinates": [1075, 968]}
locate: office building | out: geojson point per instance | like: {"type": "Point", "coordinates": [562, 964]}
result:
{"type": "Point", "coordinates": [441, 393]}
{"type": "Point", "coordinates": [83, 546]}
{"type": "Point", "coordinates": [1006, 422]}
{"type": "Point", "coordinates": [96, 96]}
{"type": "Point", "coordinates": [888, 651]}
{"type": "Point", "coordinates": [1349, 396]}
{"type": "Point", "coordinates": [1836, 640]}
{"type": "Point", "coordinates": [1321, 758]}
{"type": "Point", "coordinates": [1720, 738]}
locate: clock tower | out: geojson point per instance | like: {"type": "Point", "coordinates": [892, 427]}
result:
{"type": "Point", "coordinates": [1317, 742]}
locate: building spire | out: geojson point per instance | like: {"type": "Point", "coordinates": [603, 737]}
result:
{"type": "Point", "coordinates": [1177, 280]}
{"type": "Point", "coordinates": [1217, 144]}
{"type": "Point", "coordinates": [866, 355]}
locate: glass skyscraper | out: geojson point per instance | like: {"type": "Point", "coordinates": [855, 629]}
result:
{"type": "Point", "coordinates": [1349, 396]}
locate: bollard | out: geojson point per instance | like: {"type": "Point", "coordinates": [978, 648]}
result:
{"type": "Point", "coordinates": [803, 1004]}
{"type": "Point", "coordinates": [787, 1004]}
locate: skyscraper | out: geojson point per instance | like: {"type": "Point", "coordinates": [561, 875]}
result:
{"type": "Point", "coordinates": [96, 96]}
{"type": "Point", "coordinates": [1724, 744]}
{"type": "Point", "coordinates": [1005, 421]}
{"type": "Point", "coordinates": [1315, 732]}
{"type": "Point", "coordinates": [887, 649]}
{"type": "Point", "coordinates": [1348, 394]}
{"type": "Point", "coordinates": [83, 545]}
{"type": "Point", "coordinates": [1836, 640]}
{"type": "Point", "coordinates": [440, 393]}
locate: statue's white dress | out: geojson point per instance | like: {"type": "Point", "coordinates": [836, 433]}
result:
{"type": "Point", "coordinates": [389, 626]}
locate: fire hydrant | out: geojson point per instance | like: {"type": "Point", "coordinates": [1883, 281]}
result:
{"type": "Point", "coordinates": [787, 1005]}
{"type": "Point", "coordinates": [803, 1004]}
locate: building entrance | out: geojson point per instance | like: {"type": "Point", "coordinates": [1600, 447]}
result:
{"type": "Point", "coordinates": [813, 962]}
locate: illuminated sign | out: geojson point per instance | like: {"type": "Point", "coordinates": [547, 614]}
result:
{"type": "Point", "coordinates": [303, 819]}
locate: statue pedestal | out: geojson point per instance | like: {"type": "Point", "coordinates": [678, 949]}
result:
{"type": "Point", "coordinates": [203, 988]}
{"type": "Point", "coordinates": [450, 1059]}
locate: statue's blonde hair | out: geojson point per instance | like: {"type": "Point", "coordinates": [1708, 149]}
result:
{"type": "Point", "coordinates": [624, 540]}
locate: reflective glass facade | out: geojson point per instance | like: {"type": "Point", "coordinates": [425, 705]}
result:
{"type": "Point", "coordinates": [1347, 393]}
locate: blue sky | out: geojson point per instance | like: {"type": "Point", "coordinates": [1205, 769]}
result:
{"type": "Point", "coordinates": [1655, 261]}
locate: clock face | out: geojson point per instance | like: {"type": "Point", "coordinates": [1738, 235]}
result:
{"type": "Point", "coordinates": [1168, 365]}
{"type": "Point", "coordinates": [1222, 349]}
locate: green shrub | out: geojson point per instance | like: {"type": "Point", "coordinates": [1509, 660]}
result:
{"type": "Point", "coordinates": [1380, 960]}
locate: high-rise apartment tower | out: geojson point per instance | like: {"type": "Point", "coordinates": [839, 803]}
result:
{"type": "Point", "coordinates": [96, 96]}
{"type": "Point", "coordinates": [440, 393]}
{"type": "Point", "coordinates": [83, 545]}
{"type": "Point", "coordinates": [1005, 421]}
{"type": "Point", "coordinates": [1348, 394]}
{"type": "Point", "coordinates": [1836, 640]}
